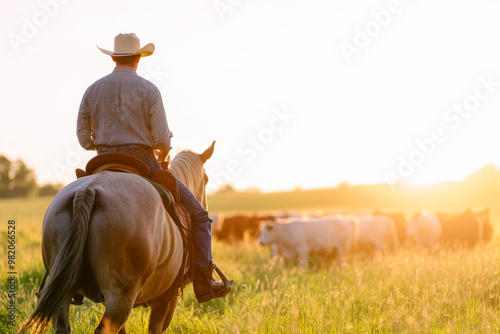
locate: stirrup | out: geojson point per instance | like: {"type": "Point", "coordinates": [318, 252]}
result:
{"type": "Point", "coordinates": [207, 288]}
{"type": "Point", "coordinates": [224, 279]}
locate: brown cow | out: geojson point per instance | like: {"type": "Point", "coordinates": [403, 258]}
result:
{"type": "Point", "coordinates": [233, 228]}
{"type": "Point", "coordinates": [467, 228]}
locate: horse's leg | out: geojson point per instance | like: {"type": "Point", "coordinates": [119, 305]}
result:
{"type": "Point", "coordinates": [162, 312]}
{"type": "Point", "coordinates": [170, 312]}
{"type": "Point", "coordinates": [60, 321]}
{"type": "Point", "coordinates": [116, 314]}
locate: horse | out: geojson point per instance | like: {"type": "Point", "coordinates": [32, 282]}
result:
{"type": "Point", "coordinates": [107, 237]}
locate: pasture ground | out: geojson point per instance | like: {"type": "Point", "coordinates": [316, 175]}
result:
{"type": "Point", "coordinates": [407, 291]}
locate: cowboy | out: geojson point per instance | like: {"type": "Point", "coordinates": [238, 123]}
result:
{"type": "Point", "coordinates": [124, 112]}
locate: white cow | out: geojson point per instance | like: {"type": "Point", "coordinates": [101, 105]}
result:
{"type": "Point", "coordinates": [425, 228]}
{"type": "Point", "coordinates": [377, 232]}
{"type": "Point", "coordinates": [300, 237]}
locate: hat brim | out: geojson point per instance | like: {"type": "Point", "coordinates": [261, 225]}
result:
{"type": "Point", "coordinates": [146, 50]}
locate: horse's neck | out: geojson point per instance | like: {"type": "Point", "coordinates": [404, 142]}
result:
{"type": "Point", "coordinates": [187, 180]}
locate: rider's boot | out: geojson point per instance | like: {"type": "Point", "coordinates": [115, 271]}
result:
{"type": "Point", "coordinates": [205, 287]}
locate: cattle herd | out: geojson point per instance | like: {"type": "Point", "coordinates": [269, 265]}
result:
{"type": "Point", "coordinates": [299, 235]}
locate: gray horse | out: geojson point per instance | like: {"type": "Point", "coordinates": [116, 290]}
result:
{"type": "Point", "coordinates": [106, 236]}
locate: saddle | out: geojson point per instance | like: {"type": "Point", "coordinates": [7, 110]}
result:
{"type": "Point", "coordinates": [114, 161]}
{"type": "Point", "coordinates": [166, 185]}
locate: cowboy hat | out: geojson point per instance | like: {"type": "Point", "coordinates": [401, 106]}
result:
{"type": "Point", "coordinates": [129, 45]}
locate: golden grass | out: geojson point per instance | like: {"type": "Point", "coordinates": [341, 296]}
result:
{"type": "Point", "coordinates": [408, 291]}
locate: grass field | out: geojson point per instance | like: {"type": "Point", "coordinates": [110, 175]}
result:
{"type": "Point", "coordinates": [407, 291]}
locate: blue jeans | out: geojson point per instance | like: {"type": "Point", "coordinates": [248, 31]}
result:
{"type": "Point", "coordinates": [200, 220]}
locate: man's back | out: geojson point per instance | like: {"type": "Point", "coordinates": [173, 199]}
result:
{"type": "Point", "coordinates": [123, 108]}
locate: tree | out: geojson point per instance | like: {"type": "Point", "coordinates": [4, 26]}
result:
{"type": "Point", "coordinates": [49, 189]}
{"type": "Point", "coordinates": [5, 167]}
{"type": "Point", "coordinates": [24, 179]}
{"type": "Point", "coordinates": [16, 179]}
{"type": "Point", "coordinates": [227, 188]}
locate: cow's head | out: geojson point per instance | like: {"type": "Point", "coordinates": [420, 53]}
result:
{"type": "Point", "coordinates": [267, 233]}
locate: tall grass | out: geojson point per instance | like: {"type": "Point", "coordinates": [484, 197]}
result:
{"type": "Point", "coordinates": [406, 291]}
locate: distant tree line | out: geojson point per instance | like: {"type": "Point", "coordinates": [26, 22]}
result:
{"type": "Point", "coordinates": [18, 180]}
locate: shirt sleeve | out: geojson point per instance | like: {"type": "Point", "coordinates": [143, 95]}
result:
{"type": "Point", "coordinates": [84, 126]}
{"type": "Point", "coordinates": [160, 132]}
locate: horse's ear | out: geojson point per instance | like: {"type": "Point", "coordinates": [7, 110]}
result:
{"type": "Point", "coordinates": [208, 153]}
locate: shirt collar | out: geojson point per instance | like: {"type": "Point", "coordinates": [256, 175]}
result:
{"type": "Point", "coordinates": [124, 69]}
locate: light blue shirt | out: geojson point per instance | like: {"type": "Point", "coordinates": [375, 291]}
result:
{"type": "Point", "coordinates": [122, 108]}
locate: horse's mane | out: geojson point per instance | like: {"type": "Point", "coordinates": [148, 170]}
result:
{"type": "Point", "coordinates": [188, 168]}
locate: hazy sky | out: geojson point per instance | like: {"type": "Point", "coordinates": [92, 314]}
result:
{"type": "Point", "coordinates": [296, 93]}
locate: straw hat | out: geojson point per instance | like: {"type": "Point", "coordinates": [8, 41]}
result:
{"type": "Point", "coordinates": [129, 45]}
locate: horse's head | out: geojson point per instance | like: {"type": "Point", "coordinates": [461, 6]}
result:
{"type": "Point", "coordinates": [188, 167]}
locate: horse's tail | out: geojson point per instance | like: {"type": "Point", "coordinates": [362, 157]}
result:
{"type": "Point", "coordinates": [67, 265]}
